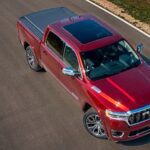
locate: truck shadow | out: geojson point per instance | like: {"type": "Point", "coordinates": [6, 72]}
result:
{"type": "Point", "coordinates": [141, 141]}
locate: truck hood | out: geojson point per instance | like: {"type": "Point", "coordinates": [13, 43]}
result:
{"type": "Point", "coordinates": [128, 90]}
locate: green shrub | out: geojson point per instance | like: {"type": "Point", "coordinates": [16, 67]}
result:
{"type": "Point", "coordinates": [139, 9]}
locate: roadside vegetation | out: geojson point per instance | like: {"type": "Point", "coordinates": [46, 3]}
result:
{"type": "Point", "coordinates": [139, 9]}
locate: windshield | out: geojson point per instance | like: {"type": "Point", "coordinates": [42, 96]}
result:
{"type": "Point", "coordinates": [109, 60]}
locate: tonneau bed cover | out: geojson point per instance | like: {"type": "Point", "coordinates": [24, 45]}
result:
{"type": "Point", "coordinates": [38, 21]}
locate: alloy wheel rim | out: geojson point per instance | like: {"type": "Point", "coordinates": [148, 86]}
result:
{"type": "Point", "coordinates": [31, 59]}
{"type": "Point", "coordinates": [94, 125]}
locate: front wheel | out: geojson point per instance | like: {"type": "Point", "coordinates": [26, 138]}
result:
{"type": "Point", "coordinates": [31, 59]}
{"type": "Point", "coordinates": [93, 124]}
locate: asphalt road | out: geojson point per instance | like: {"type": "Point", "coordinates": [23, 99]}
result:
{"type": "Point", "coordinates": [36, 113]}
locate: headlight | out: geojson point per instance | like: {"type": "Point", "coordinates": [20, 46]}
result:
{"type": "Point", "coordinates": [117, 115]}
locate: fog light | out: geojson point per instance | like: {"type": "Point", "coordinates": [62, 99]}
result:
{"type": "Point", "coordinates": [117, 133]}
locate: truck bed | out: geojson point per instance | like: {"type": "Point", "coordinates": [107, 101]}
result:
{"type": "Point", "coordinates": [37, 22]}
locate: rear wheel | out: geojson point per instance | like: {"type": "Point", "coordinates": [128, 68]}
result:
{"type": "Point", "coordinates": [31, 59]}
{"type": "Point", "coordinates": [93, 124]}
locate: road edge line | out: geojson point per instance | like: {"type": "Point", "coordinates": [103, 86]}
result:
{"type": "Point", "coordinates": [119, 18]}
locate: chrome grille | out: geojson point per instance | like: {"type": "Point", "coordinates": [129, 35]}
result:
{"type": "Point", "coordinates": [139, 116]}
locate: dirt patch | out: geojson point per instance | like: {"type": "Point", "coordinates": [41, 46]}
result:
{"type": "Point", "coordinates": [121, 12]}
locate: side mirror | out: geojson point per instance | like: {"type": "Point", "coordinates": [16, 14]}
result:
{"type": "Point", "coordinates": [70, 71]}
{"type": "Point", "coordinates": [139, 48]}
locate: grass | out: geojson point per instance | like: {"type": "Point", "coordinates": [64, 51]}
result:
{"type": "Point", "coordinates": [139, 9]}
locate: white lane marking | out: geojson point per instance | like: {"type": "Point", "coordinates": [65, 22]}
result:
{"type": "Point", "coordinates": [98, 6]}
{"type": "Point", "coordinates": [75, 96]}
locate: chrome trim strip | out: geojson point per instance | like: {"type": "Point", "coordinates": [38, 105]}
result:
{"type": "Point", "coordinates": [139, 109]}
{"type": "Point", "coordinates": [96, 89]}
{"type": "Point", "coordinates": [137, 122]}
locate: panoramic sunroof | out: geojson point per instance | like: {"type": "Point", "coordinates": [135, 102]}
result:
{"type": "Point", "coordinates": [87, 31]}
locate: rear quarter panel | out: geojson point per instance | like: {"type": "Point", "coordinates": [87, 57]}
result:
{"type": "Point", "coordinates": [26, 36]}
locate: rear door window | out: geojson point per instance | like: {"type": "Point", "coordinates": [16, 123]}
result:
{"type": "Point", "coordinates": [54, 43]}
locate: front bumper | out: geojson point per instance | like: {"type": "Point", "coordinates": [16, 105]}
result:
{"type": "Point", "coordinates": [121, 131]}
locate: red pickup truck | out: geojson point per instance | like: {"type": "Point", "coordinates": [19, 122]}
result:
{"type": "Point", "coordinates": [96, 65]}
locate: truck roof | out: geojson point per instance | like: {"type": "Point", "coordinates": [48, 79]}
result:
{"type": "Point", "coordinates": [86, 32]}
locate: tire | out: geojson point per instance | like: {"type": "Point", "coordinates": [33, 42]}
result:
{"type": "Point", "coordinates": [32, 61]}
{"type": "Point", "coordinates": [93, 124]}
